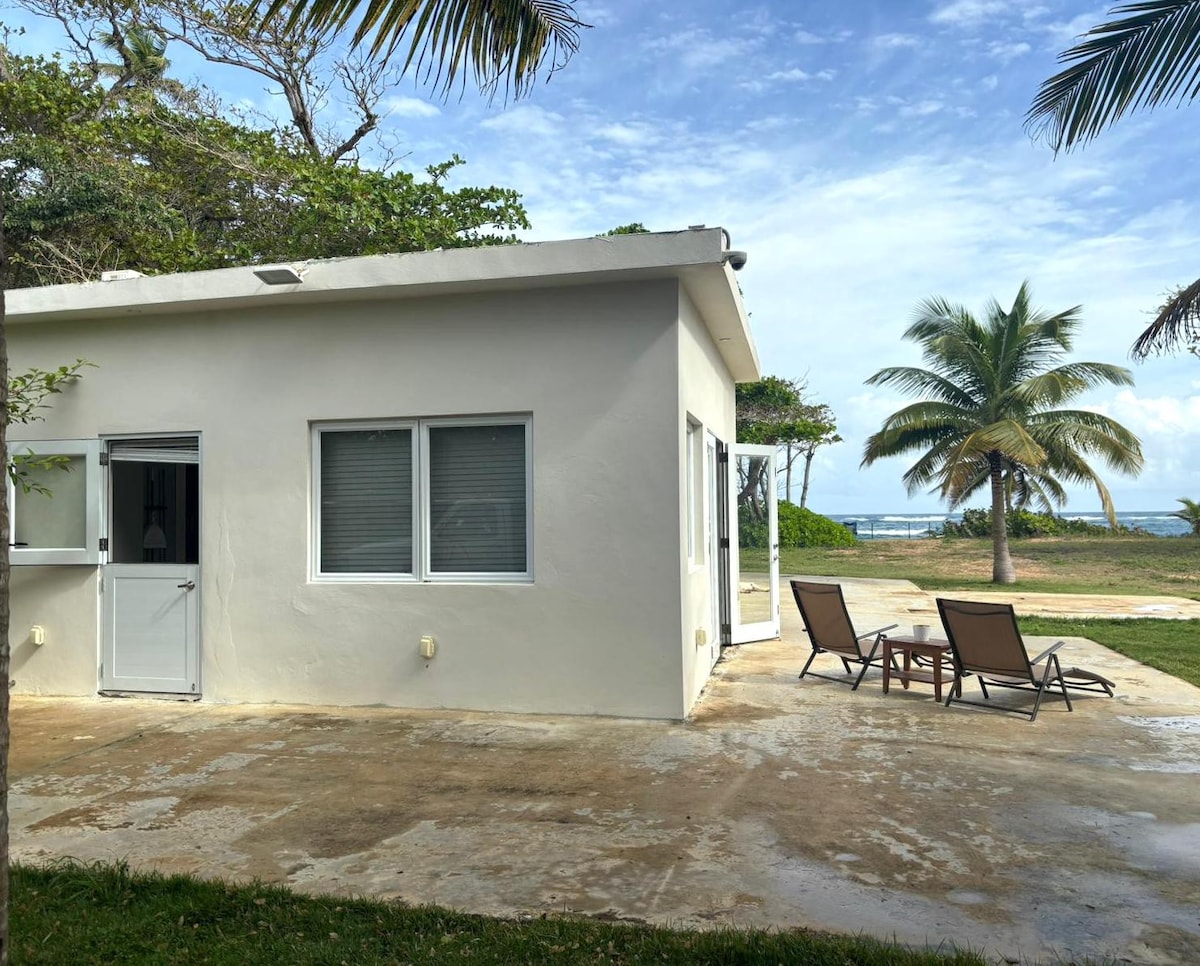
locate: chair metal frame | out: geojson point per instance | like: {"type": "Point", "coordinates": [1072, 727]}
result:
{"type": "Point", "coordinates": [842, 653]}
{"type": "Point", "coordinates": [1051, 670]}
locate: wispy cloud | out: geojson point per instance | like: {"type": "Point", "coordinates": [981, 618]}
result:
{"type": "Point", "coordinates": [410, 107]}
{"type": "Point", "coordinates": [895, 41]}
{"type": "Point", "coordinates": [1007, 52]}
{"type": "Point", "coordinates": [921, 108]}
{"type": "Point", "coordinates": [525, 120]}
{"type": "Point", "coordinates": [697, 49]}
{"type": "Point", "coordinates": [968, 13]}
{"type": "Point", "coordinates": [795, 75]}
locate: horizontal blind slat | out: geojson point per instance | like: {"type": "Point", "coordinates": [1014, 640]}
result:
{"type": "Point", "coordinates": [477, 502]}
{"type": "Point", "coordinates": [366, 501]}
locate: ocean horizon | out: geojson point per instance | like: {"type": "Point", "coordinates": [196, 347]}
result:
{"type": "Point", "coordinates": [894, 526]}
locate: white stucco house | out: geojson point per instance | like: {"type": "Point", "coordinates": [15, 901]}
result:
{"type": "Point", "coordinates": [482, 479]}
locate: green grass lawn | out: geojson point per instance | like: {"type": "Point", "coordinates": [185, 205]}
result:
{"type": "Point", "coordinates": [1170, 646]}
{"type": "Point", "coordinates": [71, 913]}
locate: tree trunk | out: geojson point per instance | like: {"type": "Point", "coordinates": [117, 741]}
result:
{"type": "Point", "coordinates": [4, 613]}
{"type": "Point", "coordinates": [808, 458]}
{"type": "Point", "coordinates": [748, 494]}
{"type": "Point", "coordinates": [1002, 565]}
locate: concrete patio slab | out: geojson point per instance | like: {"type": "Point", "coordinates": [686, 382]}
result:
{"type": "Point", "coordinates": [781, 803]}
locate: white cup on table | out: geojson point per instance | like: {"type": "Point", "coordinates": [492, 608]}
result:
{"type": "Point", "coordinates": [920, 632]}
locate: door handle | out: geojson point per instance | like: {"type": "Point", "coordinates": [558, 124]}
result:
{"type": "Point", "coordinates": [190, 585]}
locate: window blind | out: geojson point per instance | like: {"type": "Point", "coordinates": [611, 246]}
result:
{"type": "Point", "coordinates": [477, 499]}
{"type": "Point", "coordinates": [366, 502]}
{"type": "Point", "coordinates": [183, 449]}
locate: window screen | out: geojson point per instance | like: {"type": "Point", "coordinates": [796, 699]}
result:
{"type": "Point", "coordinates": [477, 499]}
{"type": "Point", "coordinates": [366, 496]}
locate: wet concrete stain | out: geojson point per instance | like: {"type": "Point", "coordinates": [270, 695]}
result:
{"type": "Point", "coordinates": [780, 804]}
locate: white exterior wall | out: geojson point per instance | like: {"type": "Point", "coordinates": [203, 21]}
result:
{"type": "Point", "coordinates": [706, 394]}
{"type": "Point", "coordinates": [598, 629]}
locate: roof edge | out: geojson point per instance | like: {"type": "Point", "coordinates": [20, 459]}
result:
{"type": "Point", "coordinates": [413, 274]}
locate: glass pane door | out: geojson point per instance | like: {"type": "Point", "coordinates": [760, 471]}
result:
{"type": "Point", "coordinates": [754, 544]}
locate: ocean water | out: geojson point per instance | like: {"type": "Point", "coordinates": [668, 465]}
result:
{"type": "Point", "coordinates": [899, 526]}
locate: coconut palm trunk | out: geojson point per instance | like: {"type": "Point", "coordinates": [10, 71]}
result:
{"type": "Point", "coordinates": [1002, 565]}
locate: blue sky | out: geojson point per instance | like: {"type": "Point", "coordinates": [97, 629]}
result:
{"type": "Point", "coordinates": [866, 155]}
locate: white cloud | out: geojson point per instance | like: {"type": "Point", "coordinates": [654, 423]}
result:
{"type": "Point", "coordinates": [410, 107]}
{"type": "Point", "coordinates": [698, 49]}
{"type": "Point", "coordinates": [921, 108]}
{"type": "Point", "coordinates": [1006, 53]}
{"type": "Point", "coordinates": [968, 13]}
{"type": "Point", "coordinates": [990, 83]}
{"type": "Point", "coordinates": [525, 120]}
{"type": "Point", "coordinates": [895, 41]}
{"type": "Point", "coordinates": [595, 14]}
{"type": "Point", "coordinates": [795, 74]}
{"type": "Point", "coordinates": [1167, 416]}
{"type": "Point", "coordinates": [631, 134]}
{"type": "Point", "coordinates": [804, 37]}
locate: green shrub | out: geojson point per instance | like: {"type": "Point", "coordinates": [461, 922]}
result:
{"type": "Point", "coordinates": [1025, 523]}
{"type": "Point", "coordinates": [797, 528]}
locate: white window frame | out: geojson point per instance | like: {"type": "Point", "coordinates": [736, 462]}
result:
{"type": "Point", "coordinates": [693, 433]}
{"type": "Point", "coordinates": [422, 571]}
{"type": "Point", "coordinates": [90, 554]}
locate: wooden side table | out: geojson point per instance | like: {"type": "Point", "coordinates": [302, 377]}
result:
{"type": "Point", "coordinates": [937, 650]}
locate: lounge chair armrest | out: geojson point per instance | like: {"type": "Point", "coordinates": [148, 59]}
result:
{"type": "Point", "coordinates": [1047, 652]}
{"type": "Point", "coordinates": [876, 632]}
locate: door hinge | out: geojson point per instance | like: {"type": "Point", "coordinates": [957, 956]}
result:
{"type": "Point", "coordinates": [723, 457]}
{"type": "Point", "coordinates": [723, 543]}
{"type": "Point", "coordinates": [104, 544]}
{"type": "Point", "coordinates": [104, 459]}
{"type": "Point", "coordinates": [727, 631]}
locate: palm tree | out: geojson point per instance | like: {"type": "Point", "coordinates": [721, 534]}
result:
{"type": "Point", "coordinates": [499, 41]}
{"type": "Point", "coordinates": [1190, 514]}
{"type": "Point", "coordinates": [1145, 57]}
{"type": "Point", "coordinates": [986, 416]}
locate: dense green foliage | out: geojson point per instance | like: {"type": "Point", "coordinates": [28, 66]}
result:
{"type": "Point", "coordinates": [798, 527]}
{"type": "Point", "coordinates": [71, 913]}
{"type": "Point", "coordinates": [95, 184]}
{"type": "Point", "coordinates": [1025, 523]}
{"type": "Point", "coordinates": [772, 411]}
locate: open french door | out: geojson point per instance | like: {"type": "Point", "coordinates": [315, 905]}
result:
{"type": "Point", "coordinates": [754, 527]}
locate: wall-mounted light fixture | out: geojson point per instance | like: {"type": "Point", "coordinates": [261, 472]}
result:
{"type": "Point", "coordinates": [279, 274]}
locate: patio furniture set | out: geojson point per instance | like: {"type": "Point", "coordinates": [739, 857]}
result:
{"type": "Point", "coordinates": [982, 641]}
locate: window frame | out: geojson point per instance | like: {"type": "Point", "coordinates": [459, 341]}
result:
{"type": "Point", "coordinates": [693, 435]}
{"type": "Point", "coordinates": [89, 554]}
{"type": "Point", "coordinates": [422, 572]}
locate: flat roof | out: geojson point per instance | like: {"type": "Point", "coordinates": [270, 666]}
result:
{"type": "Point", "coordinates": [696, 257]}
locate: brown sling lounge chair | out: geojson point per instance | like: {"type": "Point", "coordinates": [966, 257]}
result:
{"type": "Point", "coordinates": [986, 642]}
{"type": "Point", "coordinates": [823, 610]}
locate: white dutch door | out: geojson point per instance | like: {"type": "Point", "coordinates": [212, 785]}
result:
{"type": "Point", "coordinates": [150, 585]}
{"type": "Point", "coordinates": [754, 535]}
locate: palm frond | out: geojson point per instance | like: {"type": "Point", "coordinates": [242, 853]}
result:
{"type": "Point", "coordinates": [1178, 321]}
{"type": "Point", "coordinates": [914, 381]}
{"type": "Point", "coordinates": [1068, 381]}
{"type": "Point", "coordinates": [1150, 55]}
{"type": "Point", "coordinates": [499, 42]}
